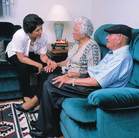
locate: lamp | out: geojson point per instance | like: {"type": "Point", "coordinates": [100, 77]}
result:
{"type": "Point", "coordinates": [58, 14]}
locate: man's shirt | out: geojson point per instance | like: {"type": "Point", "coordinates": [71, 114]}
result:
{"type": "Point", "coordinates": [114, 69]}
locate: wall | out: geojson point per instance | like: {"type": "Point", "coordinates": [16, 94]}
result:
{"type": "Point", "coordinates": [99, 11]}
{"type": "Point", "coordinates": [42, 7]}
{"type": "Point", "coordinates": [116, 11]}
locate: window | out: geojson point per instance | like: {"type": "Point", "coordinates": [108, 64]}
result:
{"type": "Point", "coordinates": [1, 11]}
{"type": "Point", "coordinates": [5, 7]}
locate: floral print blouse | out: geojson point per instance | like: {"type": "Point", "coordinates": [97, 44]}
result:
{"type": "Point", "coordinates": [79, 59]}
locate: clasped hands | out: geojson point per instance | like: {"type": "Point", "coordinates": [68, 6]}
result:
{"type": "Point", "coordinates": [51, 66]}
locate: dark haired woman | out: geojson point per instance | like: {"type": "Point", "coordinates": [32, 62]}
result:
{"type": "Point", "coordinates": [27, 52]}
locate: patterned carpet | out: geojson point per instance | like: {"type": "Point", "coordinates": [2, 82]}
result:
{"type": "Point", "coordinates": [13, 123]}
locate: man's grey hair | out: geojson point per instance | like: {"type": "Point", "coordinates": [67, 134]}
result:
{"type": "Point", "coordinates": [86, 25]}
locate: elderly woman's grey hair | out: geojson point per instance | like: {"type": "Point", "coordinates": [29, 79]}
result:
{"type": "Point", "coordinates": [86, 25]}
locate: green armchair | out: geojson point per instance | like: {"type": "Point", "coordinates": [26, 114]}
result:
{"type": "Point", "coordinates": [106, 113]}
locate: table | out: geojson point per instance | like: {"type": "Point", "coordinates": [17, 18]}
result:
{"type": "Point", "coordinates": [57, 54]}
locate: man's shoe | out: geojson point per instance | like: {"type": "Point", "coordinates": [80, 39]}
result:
{"type": "Point", "coordinates": [36, 133]}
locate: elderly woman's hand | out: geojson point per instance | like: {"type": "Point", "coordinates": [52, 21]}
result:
{"type": "Point", "coordinates": [63, 79]}
{"type": "Point", "coordinates": [60, 80]}
{"type": "Point", "coordinates": [51, 66]}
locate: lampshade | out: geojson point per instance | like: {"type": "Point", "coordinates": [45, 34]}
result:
{"type": "Point", "coordinates": [58, 13]}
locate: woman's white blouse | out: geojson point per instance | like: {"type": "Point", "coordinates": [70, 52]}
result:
{"type": "Point", "coordinates": [21, 43]}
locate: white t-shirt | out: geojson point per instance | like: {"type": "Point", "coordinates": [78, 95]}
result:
{"type": "Point", "coordinates": [21, 43]}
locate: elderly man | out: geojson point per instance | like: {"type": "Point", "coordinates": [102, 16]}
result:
{"type": "Point", "coordinates": [112, 71]}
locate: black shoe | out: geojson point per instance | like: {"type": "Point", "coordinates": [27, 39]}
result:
{"type": "Point", "coordinates": [39, 134]}
{"type": "Point", "coordinates": [33, 124]}
{"type": "Point", "coordinates": [20, 108]}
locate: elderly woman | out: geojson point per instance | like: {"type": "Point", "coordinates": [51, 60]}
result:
{"type": "Point", "coordinates": [84, 53]}
{"type": "Point", "coordinates": [27, 52]}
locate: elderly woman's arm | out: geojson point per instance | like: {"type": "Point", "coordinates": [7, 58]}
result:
{"type": "Point", "coordinates": [60, 80]}
{"type": "Point", "coordinates": [62, 63]}
{"type": "Point", "coordinates": [73, 74]}
{"type": "Point", "coordinates": [93, 54]}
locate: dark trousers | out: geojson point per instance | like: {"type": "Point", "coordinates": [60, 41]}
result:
{"type": "Point", "coordinates": [24, 71]}
{"type": "Point", "coordinates": [51, 100]}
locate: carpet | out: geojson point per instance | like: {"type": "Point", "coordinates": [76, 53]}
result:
{"type": "Point", "coordinates": [13, 123]}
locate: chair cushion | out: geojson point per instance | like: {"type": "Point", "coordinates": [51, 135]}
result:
{"type": "Point", "coordinates": [115, 98]}
{"type": "Point", "coordinates": [73, 129]}
{"type": "Point", "coordinates": [100, 34]}
{"type": "Point", "coordinates": [7, 30]}
{"type": "Point", "coordinates": [2, 52]}
{"type": "Point", "coordinates": [135, 48]}
{"type": "Point", "coordinates": [79, 110]}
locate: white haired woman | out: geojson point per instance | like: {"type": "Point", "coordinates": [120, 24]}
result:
{"type": "Point", "coordinates": [84, 52]}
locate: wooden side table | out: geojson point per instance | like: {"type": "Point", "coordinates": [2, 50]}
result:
{"type": "Point", "coordinates": [58, 54]}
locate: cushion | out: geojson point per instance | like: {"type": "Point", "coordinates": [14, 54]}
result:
{"type": "Point", "coordinates": [134, 80]}
{"type": "Point", "coordinates": [6, 30]}
{"type": "Point", "coordinates": [135, 48]}
{"type": "Point", "coordinates": [2, 52]}
{"type": "Point", "coordinates": [79, 110]}
{"type": "Point", "coordinates": [115, 98]}
{"type": "Point", "coordinates": [100, 35]}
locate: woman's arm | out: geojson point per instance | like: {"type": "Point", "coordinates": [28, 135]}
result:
{"type": "Point", "coordinates": [93, 54]}
{"type": "Point", "coordinates": [73, 74]}
{"type": "Point", "coordinates": [62, 63]}
{"type": "Point", "coordinates": [44, 58]}
{"type": "Point", "coordinates": [60, 80]}
{"type": "Point", "coordinates": [84, 81]}
{"type": "Point", "coordinates": [24, 59]}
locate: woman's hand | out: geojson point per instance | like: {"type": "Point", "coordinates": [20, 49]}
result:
{"type": "Point", "coordinates": [51, 66]}
{"type": "Point", "coordinates": [64, 79]}
{"type": "Point", "coordinates": [40, 67]}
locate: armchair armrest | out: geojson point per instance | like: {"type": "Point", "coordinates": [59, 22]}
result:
{"type": "Point", "coordinates": [78, 109]}
{"type": "Point", "coordinates": [115, 98]}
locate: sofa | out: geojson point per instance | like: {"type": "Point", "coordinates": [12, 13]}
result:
{"type": "Point", "coordinates": [105, 113]}
{"type": "Point", "coordinates": [9, 85]}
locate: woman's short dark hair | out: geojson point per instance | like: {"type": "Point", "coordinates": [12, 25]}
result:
{"type": "Point", "coordinates": [30, 22]}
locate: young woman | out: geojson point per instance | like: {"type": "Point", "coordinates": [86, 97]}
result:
{"type": "Point", "coordinates": [27, 52]}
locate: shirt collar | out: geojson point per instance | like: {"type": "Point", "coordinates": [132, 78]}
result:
{"type": "Point", "coordinates": [124, 48]}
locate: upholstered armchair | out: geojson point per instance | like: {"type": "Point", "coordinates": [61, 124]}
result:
{"type": "Point", "coordinates": [105, 113]}
{"type": "Point", "coordinates": [9, 85]}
